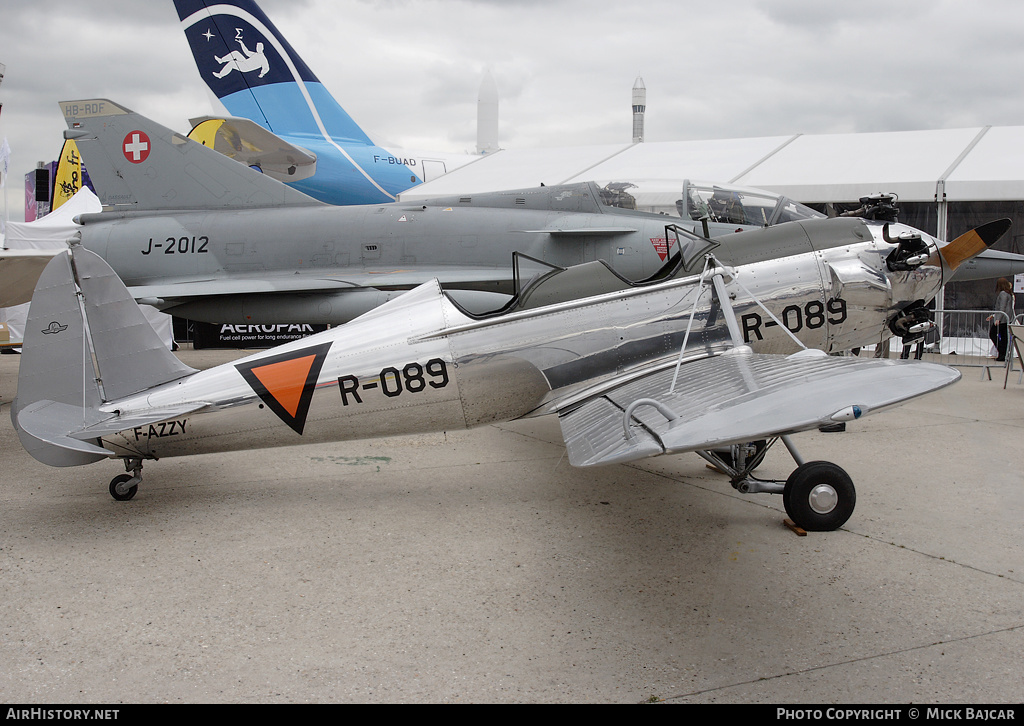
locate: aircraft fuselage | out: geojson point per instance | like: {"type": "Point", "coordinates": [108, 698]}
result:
{"type": "Point", "coordinates": [330, 264]}
{"type": "Point", "coordinates": [419, 364]}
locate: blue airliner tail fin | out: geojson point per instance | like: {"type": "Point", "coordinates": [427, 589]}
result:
{"type": "Point", "coordinates": [256, 74]}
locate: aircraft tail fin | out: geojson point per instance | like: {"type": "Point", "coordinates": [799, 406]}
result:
{"type": "Point", "coordinates": [256, 74]}
{"type": "Point", "coordinates": [67, 179]}
{"type": "Point", "coordinates": [137, 164]}
{"type": "Point", "coordinates": [86, 343]}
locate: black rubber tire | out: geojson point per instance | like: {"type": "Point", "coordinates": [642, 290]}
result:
{"type": "Point", "coordinates": [120, 479]}
{"type": "Point", "coordinates": [802, 492]}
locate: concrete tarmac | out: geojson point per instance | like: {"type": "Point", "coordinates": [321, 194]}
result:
{"type": "Point", "coordinates": [479, 566]}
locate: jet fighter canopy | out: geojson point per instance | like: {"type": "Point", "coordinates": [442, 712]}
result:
{"type": "Point", "coordinates": [723, 203]}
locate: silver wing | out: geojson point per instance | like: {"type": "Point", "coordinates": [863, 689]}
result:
{"type": "Point", "coordinates": [737, 397]}
{"type": "Point", "coordinates": [333, 279]}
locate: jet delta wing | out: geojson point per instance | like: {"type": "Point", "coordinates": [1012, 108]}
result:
{"type": "Point", "coordinates": [672, 364]}
{"type": "Point", "coordinates": [258, 76]}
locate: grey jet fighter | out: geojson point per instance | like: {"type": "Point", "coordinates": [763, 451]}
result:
{"type": "Point", "coordinates": [200, 236]}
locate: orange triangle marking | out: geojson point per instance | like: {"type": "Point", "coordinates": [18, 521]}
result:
{"type": "Point", "coordinates": [286, 384]}
{"type": "Point", "coordinates": [285, 381]}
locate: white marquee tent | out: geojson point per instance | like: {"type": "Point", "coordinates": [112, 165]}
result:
{"type": "Point", "coordinates": [940, 166]}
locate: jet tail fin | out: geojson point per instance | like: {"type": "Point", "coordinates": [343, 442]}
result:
{"type": "Point", "coordinates": [86, 343]}
{"type": "Point", "coordinates": [256, 74]}
{"type": "Point", "coordinates": [137, 164]}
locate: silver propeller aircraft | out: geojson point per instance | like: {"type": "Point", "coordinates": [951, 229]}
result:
{"type": "Point", "coordinates": [705, 357]}
{"type": "Point", "coordinates": [200, 236]}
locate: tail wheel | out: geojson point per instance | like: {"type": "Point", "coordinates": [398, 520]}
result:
{"type": "Point", "coordinates": [819, 496]}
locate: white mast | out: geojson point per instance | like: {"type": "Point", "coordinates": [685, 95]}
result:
{"type": "Point", "coordinates": [639, 107]}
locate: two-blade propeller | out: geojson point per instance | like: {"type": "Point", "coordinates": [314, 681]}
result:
{"type": "Point", "coordinates": [971, 243]}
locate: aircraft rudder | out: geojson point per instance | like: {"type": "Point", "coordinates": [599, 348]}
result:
{"type": "Point", "coordinates": [57, 384]}
{"type": "Point", "coordinates": [86, 343]}
{"type": "Point", "coordinates": [129, 354]}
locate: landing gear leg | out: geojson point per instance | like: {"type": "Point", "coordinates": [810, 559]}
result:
{"type": "Point", "coordinates": [744, 457]}
{"type": "Point", "coordinates": [125, 486]}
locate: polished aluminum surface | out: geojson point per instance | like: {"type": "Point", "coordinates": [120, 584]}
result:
{"type": "Point", "coordinates": [418, 363]}
{"type": "Point", "coordinates": [733, 398]}
{"type": "Point", "coordinates": [823, 499]}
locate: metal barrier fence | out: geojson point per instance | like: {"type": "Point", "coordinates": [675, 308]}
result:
{"type": "Point", "coordinates": [962, 338]}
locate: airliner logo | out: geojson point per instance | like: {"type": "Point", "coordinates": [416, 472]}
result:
{"type": "Point", "coordinates": [245, 61]}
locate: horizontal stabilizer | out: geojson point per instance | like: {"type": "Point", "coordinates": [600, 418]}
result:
{"type": "Point", "coordinates": [44, 429]}
{"type": "Point", "coordinates": [739, 397]}
{"type": "Point", "coordinates": [123, 423]}
{"type": "Point", "coordinates": [86, 343]}
{"type": "Point", "coordinates": [59, 435]}
{"type": "Point", "coordinates": [250, 144]}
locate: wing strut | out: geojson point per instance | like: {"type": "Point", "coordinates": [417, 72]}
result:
{"type": "Point", "coordinates": [736, 406]}
{"type": "Point", "coordinates": [718, 280]}
{"type": "Point", "coordinates": [737, 464]}
{"type": "Point", "coordinates": [689, 325]}
{"type": "Point", "coordinates": [730, 314]}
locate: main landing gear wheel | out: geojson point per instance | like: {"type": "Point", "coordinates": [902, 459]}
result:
{"type": "Point", "coordinates": [118, 482]}
{"type": "Point", "coordinates": [819, 496]}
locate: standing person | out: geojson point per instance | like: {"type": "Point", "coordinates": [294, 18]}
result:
{"type": "Point", "coordinates": [917, 352]}
{"type": "Point", "coordinates": [1004, 304]}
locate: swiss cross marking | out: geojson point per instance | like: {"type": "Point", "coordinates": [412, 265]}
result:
{"type": "Point", "coordinates": [136, 147]}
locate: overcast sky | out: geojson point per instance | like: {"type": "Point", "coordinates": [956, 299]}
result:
{"type": "Point", "coordinates": [409, 71]}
